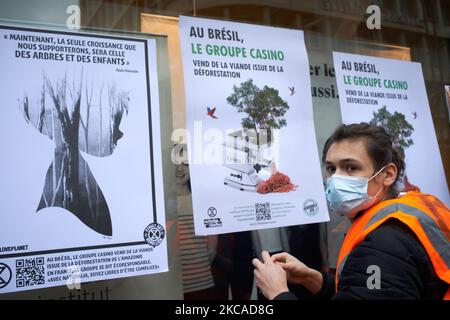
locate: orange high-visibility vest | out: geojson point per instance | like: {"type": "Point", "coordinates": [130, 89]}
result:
{"type": "Point", "coordinates": [424, 214]}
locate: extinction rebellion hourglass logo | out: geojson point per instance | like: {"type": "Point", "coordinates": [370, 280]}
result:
{"type": "Point", "coordinates": [154, 234]}
{"type": "Point", "coordinates": [213, 222]}
{"type": "Point", "coordinates": [5, 275]}
{"type": "Point", "coordinates": [212, 212]}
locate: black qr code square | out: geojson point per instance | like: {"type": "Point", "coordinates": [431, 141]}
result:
{"type": "Point", "coordinates": [30, 272]}
{"type": "Point", "coordinates": [263, 211]}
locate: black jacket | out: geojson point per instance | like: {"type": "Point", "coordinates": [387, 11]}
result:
{"type": "Point", "coordinates": [406, 270]}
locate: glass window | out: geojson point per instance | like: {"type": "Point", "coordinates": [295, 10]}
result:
{"type": "Point", "coordinates": [220, 266]}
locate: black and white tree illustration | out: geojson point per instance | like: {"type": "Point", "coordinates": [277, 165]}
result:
{"type": "Point", "coordinates": [78, 116]}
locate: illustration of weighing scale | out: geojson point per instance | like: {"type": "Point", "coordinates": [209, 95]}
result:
{"type": "Point", "coordinates": [247, 163]}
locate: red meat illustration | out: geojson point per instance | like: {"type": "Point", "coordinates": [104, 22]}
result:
{"type": "Point", "coordinates": [278, 182]}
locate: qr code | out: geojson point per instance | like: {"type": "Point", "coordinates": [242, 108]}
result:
{"type": "Point", "coordinates": [263, 211]}
{"type": "Point", "coordinates": [30, 272]}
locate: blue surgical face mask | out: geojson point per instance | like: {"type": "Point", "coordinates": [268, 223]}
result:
{"type": "Point", "coordinates": [347, 195]}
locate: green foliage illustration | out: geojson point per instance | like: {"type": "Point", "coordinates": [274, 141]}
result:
{"type": "Point", "coordinates": [397, 126]}
{"type": "Point", "coordinates": [264, 108]}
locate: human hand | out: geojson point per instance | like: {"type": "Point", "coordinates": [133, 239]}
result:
{"type": "Point", "coordinates": [296, 271]}
{"type": "Point", "coordinates": [270, 277]}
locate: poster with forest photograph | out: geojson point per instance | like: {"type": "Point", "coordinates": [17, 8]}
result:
{"type": "Point", "coordinates": [251, 143]}
{"type": "Point", "coordinates": [392, 94]}
{"type": "Point", "coordinates": [82, 194]}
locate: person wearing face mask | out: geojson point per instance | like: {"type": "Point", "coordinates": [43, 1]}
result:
{"type": "Point", "coordinates": [398, 246]}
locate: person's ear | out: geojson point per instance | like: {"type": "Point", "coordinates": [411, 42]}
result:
{"type": "Point", "coordinates": [391, 172]}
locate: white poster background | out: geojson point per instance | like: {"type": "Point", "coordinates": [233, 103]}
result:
{"type": "Point", "coordinates": [124, 177]}
{"type": "Point", "coordinates": [298, 156]}
{"type": "Point", "coordinates": [423, 161]}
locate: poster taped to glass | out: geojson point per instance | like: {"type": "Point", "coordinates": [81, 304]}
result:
{"type": "Point", "coordinates": [80, 126]}
{"type": "Point", "coordinates": [392, 94]}
{"type": "Point", "coordinates": [250, 134]}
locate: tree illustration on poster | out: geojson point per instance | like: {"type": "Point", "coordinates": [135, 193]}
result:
{"type": "Point", "coordinates": [400, 131]}
{"type": "Point", "coordinates": [264, 108]}
{"type": "Point", "coordinates": [77, 120]}
{"type": "Point", "coordinates": [397, 126]}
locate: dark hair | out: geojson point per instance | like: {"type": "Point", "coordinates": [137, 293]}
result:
{"type": "Point", "coordinates": [378, 146]}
